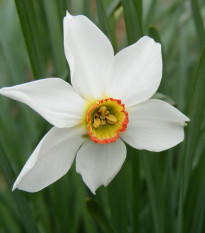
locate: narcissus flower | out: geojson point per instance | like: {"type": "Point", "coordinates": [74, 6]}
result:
{"type": "Point", "coordinates": [107, 104]}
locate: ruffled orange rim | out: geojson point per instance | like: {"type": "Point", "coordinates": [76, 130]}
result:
{"type": "Point", "coordinates": [108, 133]}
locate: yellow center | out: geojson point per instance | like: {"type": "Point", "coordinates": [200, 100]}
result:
{"type": "Point", "coordinates": [106, 119]}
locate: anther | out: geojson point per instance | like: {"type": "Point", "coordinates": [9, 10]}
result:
{"type": "Point", "coordinates": [96, 123]}
{"type": "Point", "coordinates": [111, 119]}
{"type": "Point", "coordinates": [102, 110]}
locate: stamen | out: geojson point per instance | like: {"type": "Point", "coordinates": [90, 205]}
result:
{"type": "Point", "coordinates": [96, 123]}
{"type": "Point", "coordinates": [102, 117]}
{"type": "Point", "coordinates": [107, 113]}
{"type": "Point", "coordinates": [102, 110]}
{"type": "Point", "coordinates": [111, 119]}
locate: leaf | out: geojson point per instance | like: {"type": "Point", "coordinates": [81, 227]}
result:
{"type": "Point", "coordinates": [23, 208]}
{"type": "Point", "coordinates": [197, 107]}
{"type": "Point", "coordinates": [153, 189]}
{"type": "Point", "coordinates": [138, 5]}
{"type": "Point", "coordinates": [195, 202]}
{"type": "Point", "coordinates": [114, 5]}
{"type": "Point", "coordinates": [55, 29]}
{"type": "Point", "coordinates": [29, 27]}
{"type": "Point", "coordinates": [198, 21]}
{"type": "Point", "coordinates": [98, 215]}
{"type": "Point", "coordinates": [86, 8]}
{"type": "Point", "coordinates": [155, 35]}
{"type": "Point", "coordinates": [132, 21]}
{"type": "Point", "coordinates": [135, 187]}
{"type": "Point", "coordinates": [118, 195]}
{"type": "Point", "coordinates": [102, 18]}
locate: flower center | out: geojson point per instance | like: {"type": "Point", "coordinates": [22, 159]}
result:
{"type": "Point", "coordinates": [106, 119]}
{"type": "Point", "coordinates": [103, 117]}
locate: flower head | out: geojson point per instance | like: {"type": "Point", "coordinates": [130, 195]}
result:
{"type": "Point", "coordinates": [108, 103]}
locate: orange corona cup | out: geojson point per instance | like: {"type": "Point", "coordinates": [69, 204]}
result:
{"type": "Point", "coordinates": [107, 130]}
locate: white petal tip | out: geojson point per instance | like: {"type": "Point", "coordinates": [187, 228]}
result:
{"type": "Point", "coordinates": [186, 123]}
{"type": "Point", "coordinates": [68, 15]}
{"type": "Point", "coordinates": [149, 38]}
{"type": "Point", "coordinates": [14, 187]}
{"type": "Point", "coordinates": [93, 191]}
{"type": "Point", "coordinates": [5, 91]}
{"type": "Point", "coordinates": [2, 91]}
{"type": "Point", "coordinates": [187, 119]}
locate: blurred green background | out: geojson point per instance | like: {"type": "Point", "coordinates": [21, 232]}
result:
{"type": "Point", "coordinates": [153, 192]}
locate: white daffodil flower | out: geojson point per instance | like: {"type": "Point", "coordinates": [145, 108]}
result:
{"type": "Point", "coordinates": [108, 103]}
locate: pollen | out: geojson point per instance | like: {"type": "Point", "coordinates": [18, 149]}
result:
{"type": "Point", "coordinates": [106, 119]}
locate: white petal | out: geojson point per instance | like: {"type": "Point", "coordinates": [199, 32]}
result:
{"type": "Point", "coordinates": [89, 52]}
{"type": "Point", "coordinates": [155, 126]}
{"type": "Point", "coordinates": [135, 73]}
{"type": "Point", "coordinates": [99, 163]}
{"type": "Point", "coordinates": [51, 159]}
{"type": "Point", "coordinates": [52, 98]}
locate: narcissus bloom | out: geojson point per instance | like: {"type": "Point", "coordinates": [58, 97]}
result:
{"type": "Point", "coordinates": [108, 103]}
